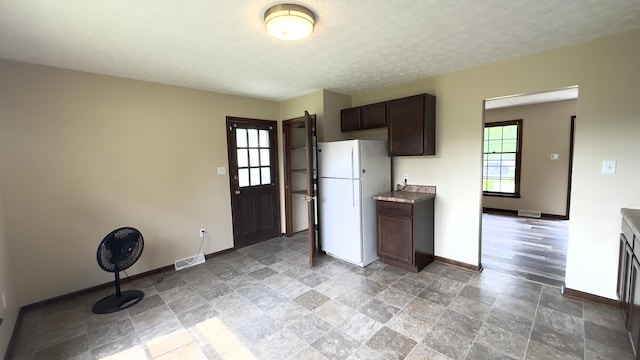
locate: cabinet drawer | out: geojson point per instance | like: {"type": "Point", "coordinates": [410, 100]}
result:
{"type": "Point", "coordinates": [628, 233]}
{"type": "Point", "coordinates": [395, 208]}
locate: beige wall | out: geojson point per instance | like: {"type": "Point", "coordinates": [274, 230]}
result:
{"type": "Point", "coordinates": [84, 154]}
{"type": "Point", "coordinates": [608, 113]}
{"type": "Point", "coordinates": [333, 103]}
{"type": "Point", "coordinates": [7, 281]}
{"type": "Point", "coordinates": [546, 130]}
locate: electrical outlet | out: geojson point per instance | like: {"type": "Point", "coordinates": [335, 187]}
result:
{"type": "Point", "coordinates": [202, 231]}
{"type": "Point", "coordinates": [405, 178]}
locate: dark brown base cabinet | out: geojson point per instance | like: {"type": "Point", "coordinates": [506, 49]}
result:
{"type": "Point", "coordinates": [633, 322]}
{"type": "Point", "coordinates": [624, 275]}
{"type": "Point", "coordinates": [405, 233]}
{"type": "Point", "coordinates": [628, 289]}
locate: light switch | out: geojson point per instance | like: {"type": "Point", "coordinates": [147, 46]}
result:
{"type": "Point", "coordinates": [222, 170]}
{"type": "Point", "coordinates": [555, 156]}
{"type": "Point", "coordinates": [609, 167]}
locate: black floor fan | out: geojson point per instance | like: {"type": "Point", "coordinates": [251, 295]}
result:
{"type": "Point", "coordinates": [118, 251]}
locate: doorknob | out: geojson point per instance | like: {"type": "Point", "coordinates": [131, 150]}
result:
{"type": "Point", "coordinates": [309, 198]}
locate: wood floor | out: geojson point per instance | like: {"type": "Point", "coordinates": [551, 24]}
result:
{"type": "Point", "coordinates": [533, 249]}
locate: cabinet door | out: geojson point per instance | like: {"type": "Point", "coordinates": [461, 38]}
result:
{"type": "Point", "coordinates": [406, 126]}
{"type": "Point", "coordinates": [626, 296]}
{"type": "Point", "coordinates": [350, 119]}
{"type": "Point", "coordinates": [634, 304]}
{"type": "Point", "coordinates": [620, 289]}
{"type": "Point", "coordinates": [373, 116]}
{"type": "Point", "coordinates": [395, 235]}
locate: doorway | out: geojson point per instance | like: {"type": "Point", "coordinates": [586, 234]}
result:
{"type": "Point", "coordinates": [253, 180]}
{"type": "Point", "coordinates": [525, 233]}
{"type": "Point", "coordinates": [300, 145]}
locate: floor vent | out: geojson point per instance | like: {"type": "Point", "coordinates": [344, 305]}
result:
{"type": "Point", "coordinates": [189, 262]}
{"type": "Point", "coordinates": [530, 213]}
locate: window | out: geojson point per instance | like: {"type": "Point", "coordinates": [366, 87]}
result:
{"type": "Point", "coordinates": [501, 158]}
{"type": "Point", "coordinates": [254, 165]}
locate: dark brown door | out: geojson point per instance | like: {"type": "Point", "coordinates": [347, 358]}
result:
{"type": "Point", "coordinates": [253, 174]}
{"type": "Point", "coordinates": [311, 143]}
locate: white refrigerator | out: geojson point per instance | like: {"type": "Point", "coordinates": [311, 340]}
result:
{"type": "Point", "coordinates": [350, 173]}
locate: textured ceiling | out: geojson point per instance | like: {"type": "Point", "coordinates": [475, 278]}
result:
{"type": "Point", "coordinates": [357, 46]}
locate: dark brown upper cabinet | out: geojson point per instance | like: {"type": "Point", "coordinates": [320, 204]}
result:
{"type": "Point", "coordinates": [411, 121]}
{"type": "Point", "coordinates": [350, 119]}
{"type": "Point", "coordinates": [373, 116]}
{"type": "Point", "coordinates": [363, 117]}
{"type": "Point", "coordinates": [412, 125]}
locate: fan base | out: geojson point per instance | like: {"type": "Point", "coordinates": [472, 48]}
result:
{"type": "Point", "coordinates": [114, 303]}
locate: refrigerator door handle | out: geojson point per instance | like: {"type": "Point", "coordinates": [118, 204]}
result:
{"type": "Point", "coordinates": [353, 193]}
{"type": "Point", "coordinates": [353, 187]}
{"type": "Point", "coordinates": [352, 163]}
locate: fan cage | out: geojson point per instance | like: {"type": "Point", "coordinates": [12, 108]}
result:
{"type": "Point", "coordinates": [125, 243]}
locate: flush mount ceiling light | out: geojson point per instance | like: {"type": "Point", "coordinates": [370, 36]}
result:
{"type": "Point", "coordinates": [289, 21]}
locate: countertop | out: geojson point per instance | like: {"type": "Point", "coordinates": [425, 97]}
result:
{"type": "Point", "coordinates": [410, 194]}
{"type": "Point", "coordinates": [632, 216]}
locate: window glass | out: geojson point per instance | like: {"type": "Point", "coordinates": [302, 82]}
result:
{"type": "Point", "coordinates": [243, 160]}
{"type": "Point", "coordinates": [255, 176]}
{"type": "Point", "coordinates": [509, 145]}
{"type": "Point", "coordinates": [241, 138]}
{"type": "Point", "coordinates": [243, 177]}
{"type": "Point", "coordinates": [501, 158]}
{"type": "Point", "coordinates": [253, 137]}
{"type": "Point", "coordinates": [264, 157]}
{"type": "Point", "coordinates": [266, 175]}
{"type": "Point", "coordinates": [264, 138]}
{"type": "Point", "coordinates": [254, 157]}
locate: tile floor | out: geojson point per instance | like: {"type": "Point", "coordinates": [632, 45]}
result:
{"type": "Point", "coordinates": [263, 302]}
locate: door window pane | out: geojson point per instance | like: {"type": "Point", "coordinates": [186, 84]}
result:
{"type": "Point", "coordinates": [254, 157]}
{"type": "Point", "coordinates": [266, 175]}
{"type": "Point", "coordinates": [243, 160]}
{"type": "Point", "coordinates": [253, 137]}
{"type": "Point", "coordinates": [241, 138]}
{"type": "Point", "coordinates": [264, 157]}
{"type": "Point", "coordinates": [243, 177]}
{"type": "Point", "coordinates": [264, 138]}
{"type": "Point", "coordinates": [255, 176]}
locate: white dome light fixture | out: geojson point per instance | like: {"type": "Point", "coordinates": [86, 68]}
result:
{"type": "Point", "coordinates": [289, 21]}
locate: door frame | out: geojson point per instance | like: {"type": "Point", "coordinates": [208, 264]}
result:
{"type": "Point", "coordinates": [275, 179]}
{"type": "Point", "coordinates": [569, 179]}
{"type": "Point", "coordinates": [288, 196]}
{"type": "Point", "coordinates": [572, 138]}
